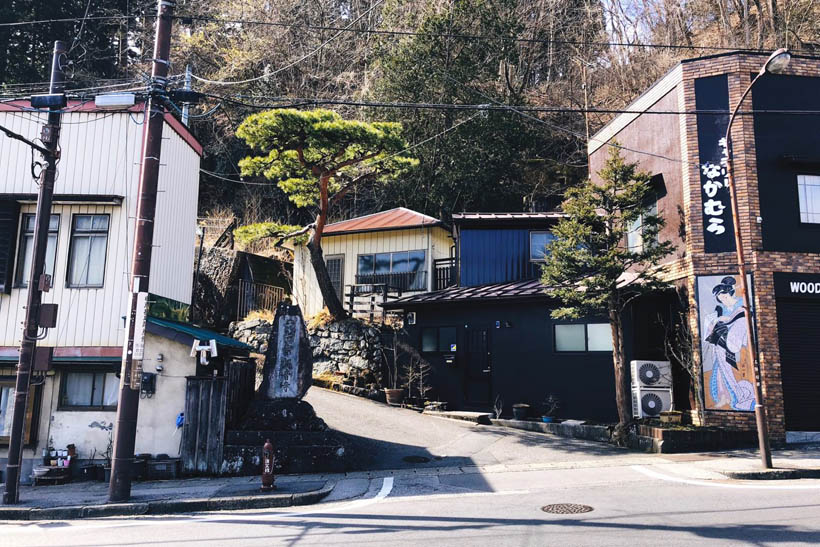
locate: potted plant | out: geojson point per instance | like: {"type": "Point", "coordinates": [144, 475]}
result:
{"type": "Point", "coordinates": [108, 454]}
{"type": "Point", "coordinates": [550, 405]}
{"type": "Point", "coordinates": [520, 411]}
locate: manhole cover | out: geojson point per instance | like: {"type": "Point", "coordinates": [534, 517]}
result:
{"type": "Point", "coordinates": [416, 459]}
{"type": "Point", "coordinates": [566, 508]}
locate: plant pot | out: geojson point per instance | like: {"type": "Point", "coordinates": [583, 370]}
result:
{"type": "Point", "coordinates": [106, 474]}
{"type": "Point", "coordinates": [547, 419]}
{"type": "Point", "coordinates": [671, 417]}
{"type": "Point", "coordinates": [394, 396]}
{"type": "Point", "coordinates": [520, 411]}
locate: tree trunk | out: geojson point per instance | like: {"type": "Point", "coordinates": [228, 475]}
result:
{"type": "Point", "coordinates": [622, 398]}
{"type": "Point", "coordinates": [317, 260]}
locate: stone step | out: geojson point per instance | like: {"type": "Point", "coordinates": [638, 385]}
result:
{"type": "Point", "coordinates": [463, 415]}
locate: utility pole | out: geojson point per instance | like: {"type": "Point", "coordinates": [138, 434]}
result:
{"type": "Point", "coordinates": [38, 281]}
{"type": "Point", "coordinates": [119, 489]}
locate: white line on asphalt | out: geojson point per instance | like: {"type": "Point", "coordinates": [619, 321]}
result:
{"type": "Point", "coordinates": [386, 488]}
{"type": "Point", "coordinates": [654, 474]}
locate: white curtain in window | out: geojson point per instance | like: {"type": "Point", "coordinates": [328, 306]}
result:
{"type": "Point", "coordinates": [78, 387]}
{"type": "Point", "coordinates": [96, 261]}
{"type": "Point", "coordinates": [112, 388]}
{"type": "Point", "coordinates": [79, 260]}
{"type": "Point", "coordinates": [6, 409]}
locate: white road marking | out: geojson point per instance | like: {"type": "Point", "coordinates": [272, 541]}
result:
{"type": "Point", "coordinates": [386, 488]}
{"type": "Point", "coordinates": [695, 482]}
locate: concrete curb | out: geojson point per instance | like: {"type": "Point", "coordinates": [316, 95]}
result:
{"type": "Point", "coordinates": [481, 418]}
{"type": "Point", "coordinates": [165, 507]}
{"type": "Point", "coordinates": [774, 474]}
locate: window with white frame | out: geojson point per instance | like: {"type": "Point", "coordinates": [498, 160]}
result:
{"type": "Point", "coordinates": [579, 337]}
{"type": "Point", "coordinates": [538, 245]}
{"type": "Point", "coordinates": [26, 254]}
{"type": "Point", "coordinates": [89, 239]}
{"type": "Point", "coordinates": [808, 195]}
{"type": "Point", "coordinates": [89, 389]}
{"type": "Point", "coordinates": [635, 233]}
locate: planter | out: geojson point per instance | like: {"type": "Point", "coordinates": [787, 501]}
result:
{"type": "Point", "coordinates": [520, 411]}
{"type": "Point", "coordinates": [394, 396]}
{"type": "Point", "coordinates": [88, 473]}
{"type": "Point", "coordinates": [671, 417]}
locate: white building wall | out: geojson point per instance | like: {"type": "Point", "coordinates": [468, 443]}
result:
{"type": "Point", "coordinates": [100, 156]}
{"type": "Point", "coordinates": [172, 263]}
{"type": "Point", "coordinates": [435, 241]}
{"type": "Point", "coordinates": [156, 423]}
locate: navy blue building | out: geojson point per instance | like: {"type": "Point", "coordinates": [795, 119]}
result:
{"type": "Point", "coordinates": [491, 334]}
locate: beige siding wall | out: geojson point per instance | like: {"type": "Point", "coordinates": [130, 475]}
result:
{"type": "Point", "coordinates": [172, 264]}
{"type": "Point", "coordinates": [435, 241]}
{"type": "Point", "coordinates": [100, 156]}
{"type": "Point", "coordinates": [87, 317]}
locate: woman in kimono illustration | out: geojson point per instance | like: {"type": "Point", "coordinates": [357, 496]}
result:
{"type": "Point", "coordinates": [726, 336]}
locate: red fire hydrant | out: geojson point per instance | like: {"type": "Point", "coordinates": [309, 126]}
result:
{"type": "Point", "coordinates": [267, 466]}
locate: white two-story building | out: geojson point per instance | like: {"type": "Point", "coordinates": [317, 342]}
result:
{"type": "Point", "coordinates": [88, 256]}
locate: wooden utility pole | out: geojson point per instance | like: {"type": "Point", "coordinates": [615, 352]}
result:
{"type": "Point", "coordinates": [119, 489]}
{"type": "Point", "coordinates": [38, 281]}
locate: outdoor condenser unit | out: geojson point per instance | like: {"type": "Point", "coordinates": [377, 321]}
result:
{"type": "Point", "coordinates": [648, 402]}
{"type": "Point", "coordinates": [651, 373]}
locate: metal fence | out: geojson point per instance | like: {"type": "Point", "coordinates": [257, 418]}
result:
{"type": "Point", "coordinates": [257, 296]}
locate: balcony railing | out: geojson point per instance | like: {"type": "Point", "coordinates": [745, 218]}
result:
{"type": "Point", "coordinates": [444, 273]}
{"type": "Point", "coordinates": [400, 281]}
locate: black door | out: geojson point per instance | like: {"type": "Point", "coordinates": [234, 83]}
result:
{"type": "Point", "coordinates": [478, 386]}
{"type": "Point", "coordinates": [798, 325]}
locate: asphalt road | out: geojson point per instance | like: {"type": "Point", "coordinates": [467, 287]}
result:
{"type": "Point", "coordinates": [495, 499]}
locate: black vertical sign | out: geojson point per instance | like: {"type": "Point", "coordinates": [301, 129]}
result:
{"type": "Point", "coordinates": [712, 93]}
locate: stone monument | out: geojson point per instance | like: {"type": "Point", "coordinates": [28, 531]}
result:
{"type": "Point", "coordinates": [301, 440]}
{"type": "Point", "coordinates": [288, 369]}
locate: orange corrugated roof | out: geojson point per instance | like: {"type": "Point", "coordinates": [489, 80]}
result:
{"type": "Point", "coordinates": [392, 219]}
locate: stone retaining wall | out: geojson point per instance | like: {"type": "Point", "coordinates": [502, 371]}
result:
{"type": "Point", "coordinates": [349, 349]}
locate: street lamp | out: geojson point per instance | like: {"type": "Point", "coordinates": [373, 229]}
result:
{"type": "Point", "coordinates": [775, 64]}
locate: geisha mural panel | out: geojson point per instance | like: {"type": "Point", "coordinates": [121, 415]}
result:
{"type": "Point", "coordinates": [726, 354]}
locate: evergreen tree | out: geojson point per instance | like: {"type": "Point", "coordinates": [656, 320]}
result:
{"type": "Point", "coordinates": [593, 270]}
{"type": "Point", "coordinates": [316, 157]}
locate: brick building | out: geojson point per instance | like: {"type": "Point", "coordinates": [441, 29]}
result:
{"type": "Point", "coordinates": [675, 131]}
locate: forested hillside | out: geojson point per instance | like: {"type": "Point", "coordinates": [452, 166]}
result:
{"type": "Point", "coordinates": [547, 72]}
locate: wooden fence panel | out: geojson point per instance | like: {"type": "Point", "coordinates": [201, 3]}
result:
{"type": "Point", "coordinates": [203, 433]}
{"type": "Point", "coordinates": [240, 377]}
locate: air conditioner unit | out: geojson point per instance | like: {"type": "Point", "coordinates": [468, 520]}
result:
{"type": "Point", "coordinates": [648, 402]}
{"type": "Point", "coordinates": [651, 373]}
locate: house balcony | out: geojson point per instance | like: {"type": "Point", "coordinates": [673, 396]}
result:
{"type": "Point", "coordinates": [396, 281]}
{"type": "Point", "coordinates": [444, 273]}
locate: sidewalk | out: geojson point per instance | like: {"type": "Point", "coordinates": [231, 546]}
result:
{"type": "Point", "coordinates": [88, 499]}
{"type": "Point", "coordinates": [794, 462]}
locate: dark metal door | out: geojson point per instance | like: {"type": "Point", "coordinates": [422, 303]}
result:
{"type": "Point", "coordinates": [798, 322]}
{"type": "Point", "coordinates": [479, 368]}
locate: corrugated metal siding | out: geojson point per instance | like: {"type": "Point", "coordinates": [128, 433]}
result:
{"type": "Point", "coordinates": [175, 233]}
{"type": "Point", "coordinates": [495, 256]}
{"type": "Point", "coordinates": [87, 317]}
{"type": "Point", "coordinates": [435, 241]}
{"type": "Point", "coordinates": [100, 156]}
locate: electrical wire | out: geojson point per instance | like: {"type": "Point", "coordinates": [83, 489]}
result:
{"type": "Point", "coordinates": [392, 32]}
{"type": "Point", "coordinates": [497, 106]}
{"type": "Point", "coordinates": [411, 147]}
{"type": "Point", "coordinates": [82, 26]}
{"type": "Point", "coordinates": [297, 61]}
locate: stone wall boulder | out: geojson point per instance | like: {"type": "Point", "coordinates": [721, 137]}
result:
{"type": "Point", "coordinates": [350, 347]}
{"type": "Point", "coordinates": [255, 333]}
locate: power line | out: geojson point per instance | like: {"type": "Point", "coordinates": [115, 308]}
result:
{"type": "Point", "coordinates": [393, 32]}
{"type": "Point", "coordinates": [498, 106]}
{"type": "Point", "coordinates": [297, 61]}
